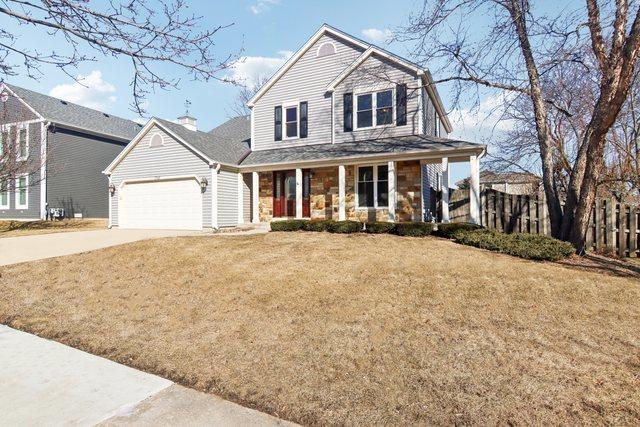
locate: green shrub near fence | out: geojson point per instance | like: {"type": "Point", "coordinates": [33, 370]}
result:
{"type": "Point", "coordinates": [317, 225]}
{"type": "Point", "coordinates": [288, 225]}
{"type": "Point", "coordinates": [449, 229]}
{"type": "Point", "coordinates": [528, 246]}
{"type": "Point", "coordinates": [344, 227]}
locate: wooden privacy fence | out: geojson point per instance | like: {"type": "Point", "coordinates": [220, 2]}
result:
{"type": "Point", "coordinates": [613, 225]}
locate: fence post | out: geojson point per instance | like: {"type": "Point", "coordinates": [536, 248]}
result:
{"type": "Point", "coordinates": [610, 221]}
{"type": "Point", "coordinates": [633, 231]}
{"type": "Point", "coordinates": [598, 223]}
{"type": "Point", "coordinates": [544, 217]}
{"type": "Point", "coordinates": [622, 230]}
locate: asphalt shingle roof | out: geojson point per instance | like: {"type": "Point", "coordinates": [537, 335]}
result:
{"type": "Point", "coordinates": [396, 145]}
{"type": "Point", "coordinates": [228, 143]}
{"type": "Point", "coordinates": [77, 116]}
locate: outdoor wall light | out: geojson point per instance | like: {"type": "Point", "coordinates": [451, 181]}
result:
{"type": "Point", "coordinates": [112, 189]}
{"type": "Point", "coordinates": [203, 184]}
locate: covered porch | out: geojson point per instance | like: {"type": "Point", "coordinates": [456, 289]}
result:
{"type": "Point", "coordinates": [384, 188]}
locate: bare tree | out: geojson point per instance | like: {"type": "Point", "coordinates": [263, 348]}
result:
{"type": "Point", "coordinates": [519, 47]}
{"type": "Point", "coordinates": [148, 33]}
{"type": "Point", "coordinates": [246, 91]}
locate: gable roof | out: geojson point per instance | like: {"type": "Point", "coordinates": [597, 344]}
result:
{"type": "Point", "coordinates": [227, 144]}
{"type": "Point", "coordinates": [68, 114]}
{"type": "Point", "coordinates": [369, 49]}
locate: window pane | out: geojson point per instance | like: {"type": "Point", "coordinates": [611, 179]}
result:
{"type": "Point", "coordinates": [365, 119]}
{"type": "Point", "coordinates": [384, 116]}
{"type": "Point", "coordinates": [383, 193]}
{"type": "Point", "coordinates": [383, 173]}
{"type": "Point", "coordinates": [365, 174]}
{"type": "Point", "coordinates": [384, 99]}
{"type": "Point", "coordinates": [292, 129]}
{"type": "Point", "coordinates": [365, 102]}
{"type": "Point", "coordinates": [3, 199]}
{"type": "Point", "coordinates": [365, 194]}
{"type": "Point", "coordinates": [292, 114]}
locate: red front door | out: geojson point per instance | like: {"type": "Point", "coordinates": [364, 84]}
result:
{"type": "Point", "coordinates": [284, 194]}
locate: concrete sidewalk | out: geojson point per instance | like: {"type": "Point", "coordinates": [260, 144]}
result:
{"type": "Point", "coordinates": [40, 246]}
{"type": "Point", "coordinates": [48, 383]}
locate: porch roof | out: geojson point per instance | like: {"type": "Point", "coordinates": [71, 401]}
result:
{"type": "Point", "coordinates": [415, 146]}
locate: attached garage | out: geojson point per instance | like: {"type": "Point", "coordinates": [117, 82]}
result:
{"type": "Point", "coordinates": [174, 178]}
{"type": "Point", "coordinates": [174, 204]}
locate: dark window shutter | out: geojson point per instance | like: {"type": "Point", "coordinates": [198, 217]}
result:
{"type": "Point", "coordinates": [401, 104]}
{"type": "Point", "coordinates": [348, 112]}
{"type": "Point", "coordinates": [278, 123]}
{"type": "Point", "coordinates": [303, 119]}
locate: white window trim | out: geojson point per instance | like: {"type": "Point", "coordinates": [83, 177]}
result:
{"type": "Point", "coordinates": [161, 139]}
{"type": "Point", "coordinates": [17, 144]}
{"type": "Point", "coordinates": [7, 144]}
{"type": "Point", "coordinates": [374, 107]}
{"type": "Point", "coordinates": [375, 187]}
{"type": "Point", "coordinates": [285, 106]}
{"type": "Point", "coordinates": [8, 193]}
{"type": "Point", "coordinates": [17, 191]}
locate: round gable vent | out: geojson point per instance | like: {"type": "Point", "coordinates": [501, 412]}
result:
{"type": "Point", "coordinates": [326, 49]}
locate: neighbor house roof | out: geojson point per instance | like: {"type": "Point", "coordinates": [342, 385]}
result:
{"type": "Point", "coordinates": [403, 146]}
{"type": "Point", "coordinates": [68, 114]}
{"type": "Point", "coordinates": [228, 143]}
{"type": "Point", "coordinates": [491, 177]}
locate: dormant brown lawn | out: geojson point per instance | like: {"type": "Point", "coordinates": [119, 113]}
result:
{"type": "Point", "coordinates": [320, 328]}
{"type": "Point", "coordinates": [27, 228]}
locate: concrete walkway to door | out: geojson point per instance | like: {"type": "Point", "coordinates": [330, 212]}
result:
{"type": "Point", "coordinates": [29, 248]}
{"type": "Point", "coordinates": [48, 383]}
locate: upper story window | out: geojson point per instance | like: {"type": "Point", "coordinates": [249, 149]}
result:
{"type": "Point", "coordinates": [293, 117]}
{"type": "Point", "coordinates": [326, 49]}
{"type": "Point", "coordinates": [4, 194]}
{"type": "Point", "coordinates": [4, 139]}
{"type": "Point", "coordinates": [374, 109]}
{"type": "Point", "coordinates": [23, 144]}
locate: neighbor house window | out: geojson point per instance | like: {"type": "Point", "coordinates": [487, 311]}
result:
{"type": "Point", "coordinates": [3, 141]}
{"type": "Point", "coordinates": [23, 144]}
{"type": "Point", "coordinates": [22, 192]}
{"type": "Point", "coordinates": [4, 194]}
{"type": "Point", "coordinates": [374, 109]}
{"type": "Point", "coordinates": [291, 122]}
{"type": "Point", "coordinates": [373, 186]}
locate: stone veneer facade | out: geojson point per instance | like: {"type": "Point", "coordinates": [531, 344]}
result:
{"type": "Point", "coordinates": [324, 194]}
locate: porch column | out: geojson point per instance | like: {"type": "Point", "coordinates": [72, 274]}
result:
{"type": "Point", "coordinates": [392, 191]}
{"type": "Point", "coordinates": [474, 189]}
{"type": "Point", "coordinates": [298, 193]}
{"type": "Point", "coordinates": [213, 187]}
{"type": "Point", "coordinates": [255, 197]}
{"type": "Point", "coordinates": [240, 198]}
{"type": "Point", "coordinates": [445, 189]}
{"type": "Point", "coordinates": [342, 214]}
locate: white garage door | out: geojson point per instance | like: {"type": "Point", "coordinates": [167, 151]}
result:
{"type": "Point", "coordinates": [171, 205]}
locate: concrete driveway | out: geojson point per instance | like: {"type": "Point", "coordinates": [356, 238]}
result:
{"type": "Point", "coordinates": [29, 248]}
{"type": "Point", "coordinates": [48, 383]}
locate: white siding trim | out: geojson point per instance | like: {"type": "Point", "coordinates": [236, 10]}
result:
{"type": "Point", "coordinates": [214, 196]}
{"type": "Point", "coordinates": [43, 171]}
{"type": "Point", "coordinates": [110, 224]}
{"type": "Point", "coordinates": [392, 191]}
{"type": "Point", "coordinates": [255, 197]}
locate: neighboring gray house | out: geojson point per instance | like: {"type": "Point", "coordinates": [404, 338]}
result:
{"type": "Point", "coordinates": [507, 182]}
{"type": "Point", "coordinates": [344, 130]}
{"type": "Point", "coordinates": [64, 147]}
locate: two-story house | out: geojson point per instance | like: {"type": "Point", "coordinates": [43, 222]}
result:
{"type": "Point", "coordinates": [344, 130]}
{"type": "Point", "coordinates": [52, 153]}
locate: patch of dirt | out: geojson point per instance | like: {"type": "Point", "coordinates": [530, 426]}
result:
{"type": "Point", "coordinates": [27, 228]}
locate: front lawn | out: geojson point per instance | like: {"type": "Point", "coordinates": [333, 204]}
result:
{"type": "Point", "coordinates": [349, 329]}
{"type": "Point", "coordinates": [27, 228]}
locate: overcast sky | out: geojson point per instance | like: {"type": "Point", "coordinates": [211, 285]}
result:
{"type": "Point", "coordinates": [267, 32]}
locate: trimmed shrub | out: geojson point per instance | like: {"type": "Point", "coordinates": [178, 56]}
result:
{"type": "Point", "coordinates": [414, 229]}
{"type": "Point", "coordinates": [449, 229]}
{"type": "Point", "coordinates": [317, 225]}
{"type": "Point", "coordinates": [528, 246]}
{"type": "Point", "coordinates": [288, 225]}
{"type": "Point", "coordinates": [380, 227]}
{"type": "Point", "coordinates": [344, 227]}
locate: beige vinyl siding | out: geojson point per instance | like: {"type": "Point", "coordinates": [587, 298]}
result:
{"type": "Point", "coordinates": [227, 198]}
{"type": "Point", "coordinates": [247, 183]}
{"type": "Point", "coordinates": [377, 74]}
{"type": "Point", "coordinates": [306, 80]}
{"type": "Point", "coordinates": [170, 159]}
